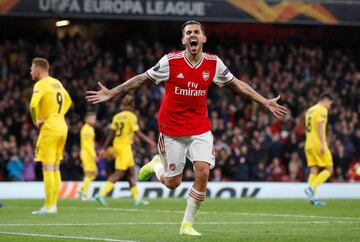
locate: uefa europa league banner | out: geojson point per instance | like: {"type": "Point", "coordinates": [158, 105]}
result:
{"type": "Point", "coordinates": [344, 12]}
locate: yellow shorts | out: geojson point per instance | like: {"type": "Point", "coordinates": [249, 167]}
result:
{"type": "Point", "coordinates": [123, 156]}
{"type": "Point", "coordinates": [49, 149]}
{"type": "Point", "coordinates": [88, 163]}
{"type": "Point", "coordinates": [315, 158]}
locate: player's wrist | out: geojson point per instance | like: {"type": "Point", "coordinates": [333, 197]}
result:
{"type": "Point", "coordinates": [111, 94]}
{"type": "Point", "coordinates": [266, 103]}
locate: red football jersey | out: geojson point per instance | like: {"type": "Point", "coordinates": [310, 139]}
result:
{"type": "Point", "coordinates": [183, 110]}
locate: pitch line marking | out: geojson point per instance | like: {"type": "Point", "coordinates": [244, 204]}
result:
{"type": "Point", "coordinates": [65, 237]}
{"type": "Point", "coordinates": [214, 212]}
{"type": "Point", "coordinates": [210, 212]}
{"type": "Point", "coordinates": [235, 213]}
{"type": "Point", "coordinates": [177, 223]}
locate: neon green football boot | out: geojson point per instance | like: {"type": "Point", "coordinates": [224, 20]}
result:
{"type": "Point", "coordinates": [187, 229]}
{"type": "Point", "coordinates": [148, 170]}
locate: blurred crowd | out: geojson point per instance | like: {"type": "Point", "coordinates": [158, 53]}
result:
{"type": "Point", "coordinates": [250, 144]}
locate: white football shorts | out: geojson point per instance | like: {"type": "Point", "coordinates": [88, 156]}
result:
{"type": "Point", "coordinates": [174, 151]}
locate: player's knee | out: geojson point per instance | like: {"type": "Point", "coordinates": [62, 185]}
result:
{"type": "Point", "coordinates": [314, 170]}
{"type": "Point", "coordinates": [173, 183]}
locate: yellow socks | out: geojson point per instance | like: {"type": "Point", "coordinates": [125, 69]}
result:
{"type": "Point", "coordinates": [312, 178]}
{"type": "Point", "coordinates": [109, 186]}
{"type": "Point", "coordinates": [135, 193]}
{"type": "Point", "coordinates": [57, 187]}
{"type": "Point", "coordinates": [320, 179]}
{"type": "Point", "coordinates": [49, 184]}
{"type": "Point", "coordinates": [86, 184]}
{"type": "Point", "coordinates": [106, 189]}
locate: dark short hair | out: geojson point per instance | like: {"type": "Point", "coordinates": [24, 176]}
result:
{"type": "Point", "coordinates": [190, 22]}
{"type": "Point", "coordinates": [42, 63]}
{"type": "Point", "coordinates": [326, 95]}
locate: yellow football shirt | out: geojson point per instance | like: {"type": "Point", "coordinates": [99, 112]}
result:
{"type": "Point", "coordinates": [87, 140]}
{"type": "Point", "coordinates": [50, 102]}
{"type": "Point", "coordinates": [124, 124]}
{"type": "Point", "coordinates": [314, 115]}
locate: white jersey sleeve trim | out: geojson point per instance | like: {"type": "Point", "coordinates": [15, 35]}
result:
{"type": "Point", "coordinates": [160, 72]}
{"type": "Point", "coordinates": [222, 75]}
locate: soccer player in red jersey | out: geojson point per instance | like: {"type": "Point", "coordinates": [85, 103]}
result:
{"type": "Point", "coordinates": [185, 129]}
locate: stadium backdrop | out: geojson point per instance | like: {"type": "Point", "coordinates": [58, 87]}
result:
{"type": "Point", "coordinates": [334, 12]}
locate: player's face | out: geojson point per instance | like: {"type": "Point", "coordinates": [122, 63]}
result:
{"type": "Point", "coordinates": [34, 72]}
{"type": "Point", "coordinates": [91, 120]}
{"type": "Point", "coordinates": [193, 38]}
{"type": "Point", "coordinates": [328, 103]}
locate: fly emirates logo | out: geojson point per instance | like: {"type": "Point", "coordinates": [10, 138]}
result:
{"type": "Point", "coordinates": [191, 90]}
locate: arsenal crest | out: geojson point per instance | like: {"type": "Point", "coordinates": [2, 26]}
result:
{"type": "Point", "coordinates": [205, 75]}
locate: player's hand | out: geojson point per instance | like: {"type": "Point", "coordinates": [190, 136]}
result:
{"type": "Point", "coordinates": [98, 96]}
{"type": "Point", "coordinates": [322, 149]}
{"type": "Point", "coordinates": [278, 110]}
{"type": "Point", "coordinates": [102, 154]}
{"type": "Point", "coordinates": [39, 123]}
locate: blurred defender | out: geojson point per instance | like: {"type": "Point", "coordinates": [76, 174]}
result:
{"type": "Point", "coordinates": [185, 128]}
{"type": "Point", "coordinates": [48, 106]}
{"type": "Point", "coordinates": [317, 152]}
{"type": "Point", "coordinates": [88, 153]}
{"type": "Point", "coordinates": [124, 126]}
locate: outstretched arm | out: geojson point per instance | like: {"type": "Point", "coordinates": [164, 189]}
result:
{"type": "Point", "coordinates": [105, 94]}
{"type": "Point", "coordinates": [271, 104]}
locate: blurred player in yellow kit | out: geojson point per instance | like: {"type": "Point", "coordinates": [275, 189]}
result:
{"type": "Point", "coordinates": [317, 152]}
{"type": "Point", "coordinates": [48, 106]}
{"type": "Point", "coordinates": [124, 126]}
{"type": "Point", "coordinates": [88, 153]}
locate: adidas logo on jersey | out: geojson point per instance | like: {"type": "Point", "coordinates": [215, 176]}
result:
{"type": "Point", "coordinates": [180, 75]}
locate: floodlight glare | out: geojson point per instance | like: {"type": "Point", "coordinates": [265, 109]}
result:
{"type": "Point", "coordinates": [62, 23]}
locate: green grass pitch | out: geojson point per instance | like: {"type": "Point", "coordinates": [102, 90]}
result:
{"type": "Point", "coordinates": [219, 220]}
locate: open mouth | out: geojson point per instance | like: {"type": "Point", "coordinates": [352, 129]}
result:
{"type": "Point", "coordinates": [193, 43]}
